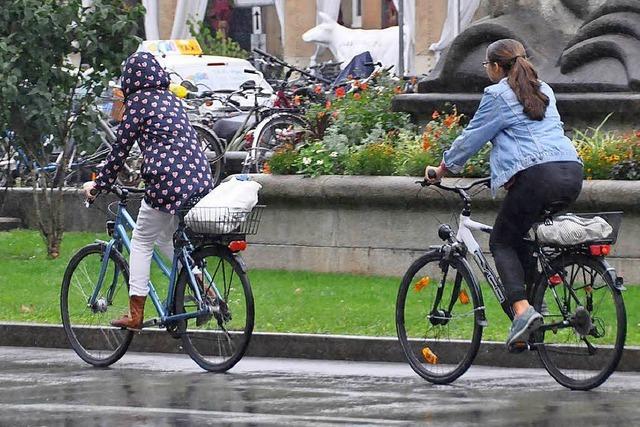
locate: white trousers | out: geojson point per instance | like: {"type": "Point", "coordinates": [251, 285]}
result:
{"type": "Point", "coordinates": [153, 227]}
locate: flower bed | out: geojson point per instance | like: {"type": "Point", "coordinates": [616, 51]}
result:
{"type": "Point", "coordinates": [356, 133]}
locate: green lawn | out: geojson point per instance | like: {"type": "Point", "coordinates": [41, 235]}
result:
{"type": "Point", "coordinates": [285, 301]}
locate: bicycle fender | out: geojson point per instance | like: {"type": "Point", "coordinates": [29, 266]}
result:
{"type": "Point", "coordinates": [618, 282]}
{"type": "Point", "coordinates": [260, 127]}
{"type": "Point", "coordinates": [241, 263]}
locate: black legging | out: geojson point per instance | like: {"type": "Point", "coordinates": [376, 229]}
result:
{"type": "Point", "coordinates": [533, 191]}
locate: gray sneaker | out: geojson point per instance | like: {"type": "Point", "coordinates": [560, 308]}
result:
{"type": "Point", "coordinates": [523, 326]}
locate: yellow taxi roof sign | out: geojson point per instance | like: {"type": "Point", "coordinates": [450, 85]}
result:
{"type": "Point", "coordinates": [172, 47]}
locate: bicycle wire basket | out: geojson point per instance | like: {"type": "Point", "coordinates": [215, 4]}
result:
{"type": "Point", "coordinates": [223, 220]}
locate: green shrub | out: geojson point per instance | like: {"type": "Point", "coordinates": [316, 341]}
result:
{"type": "Point", "coordinates": [372, 159]}
{"type": "Point", "coordinates": [315, 159]}
{"type": "Point", "coordinates": [601, 150]}
{"type": "Point", "coordinates": [283, 161]}
{"type": "Point", "coordinates": [215, 44]}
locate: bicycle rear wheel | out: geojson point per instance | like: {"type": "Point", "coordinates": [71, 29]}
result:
{"type": "Point", "coordinates": [87, 325]}
{"type": "Point", "coordinates": [585, 354]}
{"type": "Point", "coordinates": [217, 341]}
{"type": "Point", "coordinates": [213, 148]}
{"type": "Point", "coordinates": [439, 327]}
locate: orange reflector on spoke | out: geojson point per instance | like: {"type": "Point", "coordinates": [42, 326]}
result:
{"type": "Point", "coordinates": [237, 245]}
{"type": "Point", "coordinates": [422, 283]}
{"type": "Point", "coordinates": [600, 250]}
{"type": "Point", "coordinates": [429, 356]}
{"type": "Point", "coordinates": [555, 280]}
{"type": "Point", "coordinates": [463, 297]}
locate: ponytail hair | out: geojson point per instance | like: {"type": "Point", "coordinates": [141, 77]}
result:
{"type": "Point", "coordinates": [521, 76]}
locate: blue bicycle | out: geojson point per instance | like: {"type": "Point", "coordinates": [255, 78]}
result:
{"type": "Point", "coordinates": [208, 305]}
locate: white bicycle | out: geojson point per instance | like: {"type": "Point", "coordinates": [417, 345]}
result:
{"type": "Point", "coordinates": [440, 311]}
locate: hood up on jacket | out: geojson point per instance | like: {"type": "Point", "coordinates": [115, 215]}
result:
{"type": "Point", "coordinates": [142, 71]}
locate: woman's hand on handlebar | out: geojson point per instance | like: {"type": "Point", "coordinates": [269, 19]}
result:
{"type": "Point", "coordinates": [90, 191]}
{"type": "Point", "coordinates": [433, 174]}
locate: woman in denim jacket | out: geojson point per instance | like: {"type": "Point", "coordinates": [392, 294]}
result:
{"type": "Point", "coordinates": [531, 157]}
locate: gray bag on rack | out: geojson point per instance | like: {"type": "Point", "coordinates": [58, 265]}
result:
{"type": "Point", "coordinates": [567, 230]}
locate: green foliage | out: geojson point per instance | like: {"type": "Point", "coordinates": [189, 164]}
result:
{"type": "Point", "coordinates": [376, 158]}
{"type": "Point", "coordinates": [315, 159]}
{"type": "Point", "coordinates": [601, 150]}
{"type": "Point", "coordinates": [283, 161]}
{"type": "Point", "coordinates": [43, 94]}
{"type": "Point", "coordinates": [215, 44]}
{"type": "Point", "coordinates": [355, 114]}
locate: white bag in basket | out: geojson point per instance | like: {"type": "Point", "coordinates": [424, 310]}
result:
{"type": "Point", "coordinates": [567, 230]}
{"type": "Point", "coordinates": [225, 207]}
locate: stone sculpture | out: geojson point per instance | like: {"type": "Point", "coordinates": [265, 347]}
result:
{"type": "Point", "coordinates": [577, 45]}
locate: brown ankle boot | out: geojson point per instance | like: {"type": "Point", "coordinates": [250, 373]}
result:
{"type": "Point", "coordinates": [134, 319]}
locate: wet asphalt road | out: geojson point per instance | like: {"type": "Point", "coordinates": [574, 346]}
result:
{"type": "Point", "coordinates": [54, 388]}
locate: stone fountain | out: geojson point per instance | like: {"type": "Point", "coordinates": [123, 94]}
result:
{"type": "Point", "coordinates": [587, 50]}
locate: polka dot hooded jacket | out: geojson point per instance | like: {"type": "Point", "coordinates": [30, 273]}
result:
{"type": "Point", "coordinates": [174, 166]}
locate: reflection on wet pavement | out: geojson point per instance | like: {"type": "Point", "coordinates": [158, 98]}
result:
{"type": "Point", "coordinates": [53, 387]}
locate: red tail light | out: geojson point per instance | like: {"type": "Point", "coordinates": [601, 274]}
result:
{"type": "Point", "coordinates": [555, 280]}
{"type": "Point", "coordinates": [237, 245]}
{"type": "Point", "coordinates": [600, 250]}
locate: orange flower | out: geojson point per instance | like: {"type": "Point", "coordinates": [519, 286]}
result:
{"type": "Point", "coordinates": [397, 89]}
{"type": "Point", "coordinates": [317, 89]}
{"type": "Point", "coordinates": [426, 142]}
{"type": "Point", "coordinates": [340, 92]}
{"type": "Point", "coordinates": [297, 100]}
{"type": "Point", "coordinates": [449, 121]}
{"type": "Point", "coordinates": [437, 135]}
{"type": "Point", "coordinates": [638, 134]}
{"type": "Point", "coordinates": [357, 96]}
{"type": "Point", "coordinates": [435, 115]}
{"type": "Point", "coordinates": [266, 168]}
{"type": "Point", "coordinates": [334, 114]}
{"type": "Point", "coordinates": [364, 86]}
{"type": "Point", "coordinates": [327, 105]}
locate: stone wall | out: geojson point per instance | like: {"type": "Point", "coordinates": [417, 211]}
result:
{"type": "Point", "coordinates": [367, 225]}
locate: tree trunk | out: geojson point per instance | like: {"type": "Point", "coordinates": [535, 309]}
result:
{"type": "Point", "coordinates": [49, 206]}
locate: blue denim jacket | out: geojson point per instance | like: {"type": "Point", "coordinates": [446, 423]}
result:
{"type": "Point", "coordinates": [517, 141]}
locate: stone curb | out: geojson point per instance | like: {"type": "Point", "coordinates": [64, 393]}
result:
{"type": "Point", "coordinates": [307, 346]}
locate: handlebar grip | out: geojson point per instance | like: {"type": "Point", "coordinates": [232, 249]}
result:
{"type": "Point", "coordinates": [431, 174]}
{"type": "Point", "coordinates": [250, 71]}
{"type": "Point", "coordinates": [94, 192]}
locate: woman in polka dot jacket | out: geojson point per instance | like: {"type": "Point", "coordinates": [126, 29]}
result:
{"type": "Point", "coordinates": [174, 169]}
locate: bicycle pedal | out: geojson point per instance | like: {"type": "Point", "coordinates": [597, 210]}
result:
{"type": "Point", "coordinates": [151, 322]}
{"type": "Point", "coordinates": [518, 347]}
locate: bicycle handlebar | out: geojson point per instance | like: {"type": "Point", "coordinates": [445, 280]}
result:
{"type": "Point", "coordinates": [121, 191]}
{"type": "Point", "coordinates": [457, 189]}
{"type": "Point", "coordinates": [292, 67]}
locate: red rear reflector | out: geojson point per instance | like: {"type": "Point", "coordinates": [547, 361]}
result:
{"type": "Point", "coordinates": [555, 280]}
{"type": "Point", "coordinates": [237, 245]}
{"type": "Point", "coordinates": [600, 250]}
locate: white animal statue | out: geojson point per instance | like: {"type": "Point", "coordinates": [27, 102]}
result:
{"type": "Point", "coordinates": [345, 43]}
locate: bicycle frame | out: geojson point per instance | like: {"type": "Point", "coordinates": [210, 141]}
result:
{"type": "Point", "coordinates": [465, 235]}
{"type": "Point", "coordinates": [124, 222]}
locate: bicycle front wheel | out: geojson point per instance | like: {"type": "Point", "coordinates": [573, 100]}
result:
{"type": "Point", "coordinates": [85, 317]}
{"type": "Point", "coordinates": [278, 131]}
{"type": "Point", "coordinates": [216, 341]}
{"type": "Point", "coordinates": [582, 294]}
{"type": "Point", "coordinates": [439, 317]}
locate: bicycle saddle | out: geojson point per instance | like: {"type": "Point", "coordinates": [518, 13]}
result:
{"type": "Point", "coordinates": [227, 127]}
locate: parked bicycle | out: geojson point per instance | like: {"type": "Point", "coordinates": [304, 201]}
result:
{"type": "Point", "coordinates": [440, 311]}
{"type": "Point", "coordinates": [208, 303]}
